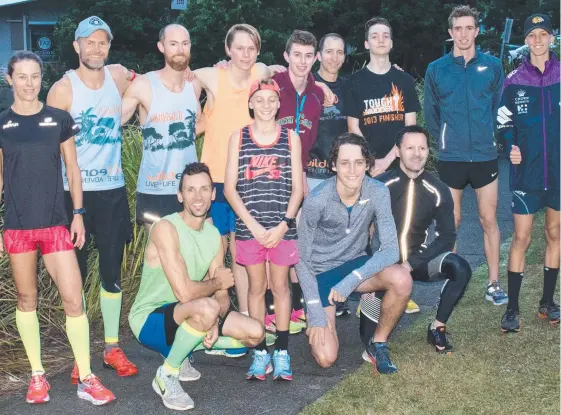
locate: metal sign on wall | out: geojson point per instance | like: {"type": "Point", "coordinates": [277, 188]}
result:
{"type": "Point", "coordinates": [42, 42]}
{"type": "Point", "coordinates": [179, 4]}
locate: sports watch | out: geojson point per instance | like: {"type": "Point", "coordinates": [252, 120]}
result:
{"type": "Point", "coordinates": [80, 211]}
{"type": "Point", "coordinates": [289, 221]}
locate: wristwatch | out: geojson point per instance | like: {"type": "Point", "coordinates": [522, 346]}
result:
{"type": "Point", "coordinates": [289, 221]}
{"type": "Point", "coordinates": [80, 211]}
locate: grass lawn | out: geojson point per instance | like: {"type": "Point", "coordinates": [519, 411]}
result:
{"type": "Point", "coordinates": [488, 373]}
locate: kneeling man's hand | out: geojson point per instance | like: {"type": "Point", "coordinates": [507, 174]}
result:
{"type": "Point", "coordinates": [334, 296]}
{"type": "Point", "coordinates": [225, 277]}
{"type": "Point", "coordinates": [316, 335]}
{"type": "Point", "coordinates": [211, 337]}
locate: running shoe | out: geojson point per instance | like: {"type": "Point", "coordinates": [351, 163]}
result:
{"type": "Point", "coordinates": [169, 389]}
{"type": "Point", "coordinates": [260, 367]}
{"type": "Point", "coordinates": [412, 307]}
{"type": "Point", "coordinates": [510, 321]}
{"type": "Point", "coordinates": [270, 338]}
{"type": "Point", "coordinates": [358, 311]}
{"type": "Point", "coordinates": [342, 309]}
{"type": "Point", "coordinates": [238, 352]}
{"type": "Point", "coordinates": [297, 321]}
{"type": "Point", "coordinates": [116, 359]}
{"type": "Point", "coordinates": [496, 294]}
{"type": "Point", "coordinates": [38, 391]}
{"type": "Point", "coordinates": [187, 372]}
{"type": "Point", "coordinates": [549, 311]}
{"type": "Point", "coordinates": [91, 389]}
{"type": "Point", "coordinates": [379, 355]}
{"type": "Point", "coordinates": [281, 363]}
{"type": "Point", "coordinates": [437, 337]}
{"type": "Point", "coordinates": [270, 323]}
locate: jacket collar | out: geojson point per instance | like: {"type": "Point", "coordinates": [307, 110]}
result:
{"type": "Point", "coordinates": [405, 177]}
{"type": "Point", "coordinates": [552, 61]}
{"type": "Point", "coordinates": [459, 60]}
{"type": "Point", "coordinates": [287, 83]}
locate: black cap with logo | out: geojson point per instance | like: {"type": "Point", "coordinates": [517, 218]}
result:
{"type": "Point", "coordinates": [535, 21]}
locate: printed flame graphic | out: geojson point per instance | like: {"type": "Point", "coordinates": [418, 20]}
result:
{"type": "Point", "coordinates": [397, 99]}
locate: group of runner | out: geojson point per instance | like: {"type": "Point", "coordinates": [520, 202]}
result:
{"type": "Point", "coordinates": [307, 177]}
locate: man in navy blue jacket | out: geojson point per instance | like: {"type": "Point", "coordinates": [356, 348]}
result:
{"type": "Point", "coordinates": [528, 125]}
{"type": "Point", "coordinates": [462, 95]}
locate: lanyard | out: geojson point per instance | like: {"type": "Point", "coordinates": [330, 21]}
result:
{"type": "Point", "coordinates": [299, 109]}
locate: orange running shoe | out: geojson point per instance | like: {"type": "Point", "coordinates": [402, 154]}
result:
{"type": "Point", "coordinates": [116, 359]}
{"type": "Point", "coordinates": [91, 389]}
{"type": "Point", "coordinates": [75, 375]}
{"type": "Point", "coordinates": [38, 391]}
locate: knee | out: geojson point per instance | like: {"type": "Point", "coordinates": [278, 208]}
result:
{"type": "Point", "coordinates": [207, 312]}
{"type": "Point", "coordinates": [27, 301]}
{"type": "Point", "coordinates": [112, 285]}
{"type": "Point", "coordinates": [457, 268]}
{"type": "Point", "coordinates": [73, 307]}
{"type": "Point", "coordinates": [257, 288]}
{"type": "Point", "coordinates": [255, 333]}
{"type": "Point", "coordinates": [280, 288]}
{"type": "Point", "coordinates": [488, 222]}
{"type": "Point", "coordinates": [552, 234]}
{"type": "Point", "coordinates": [521, 240]}
{"type": "Point", "coordinates": [401, 282]}
{"type": "Point", "coordinates": [325, 357]}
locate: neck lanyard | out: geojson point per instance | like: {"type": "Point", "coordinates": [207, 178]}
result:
{"type": "Point", "coordinates": [299, 110]}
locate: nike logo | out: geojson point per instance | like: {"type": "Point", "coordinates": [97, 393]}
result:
{"type": "Point", "coordinates": [251, 173]}
{"type": "Point", "coordinates": [481, 68]}
{"type": "Point", "coordinates": [162, 390]}
{"type": "Point", "coordinates": [292, 254]}
{"type": "Point", "coordinates": [494, 174]}
{"type": "Point", "coordinates": [362, 202]}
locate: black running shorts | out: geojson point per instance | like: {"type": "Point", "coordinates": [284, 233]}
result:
{"type": "Point", "coordinates": [458, 174]}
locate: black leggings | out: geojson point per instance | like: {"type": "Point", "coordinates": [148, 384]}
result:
{"type": "Point", "coordinates": [457, 274]}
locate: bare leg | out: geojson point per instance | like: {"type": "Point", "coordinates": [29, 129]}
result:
{"type": "Point", "coordinates": [241, 281]}
{"type": "Point", "coordinates": [24, 272]}
{"type": "Point", "coordinates": [281, 295]}
{"type": "Point", "coordinates": [63, 269]}
{"type": "Point", "coordinates": [520, 242]}
{"type": "Point", "coordinates": [487, 197]}
{"type": "Point", "coordinates": [552, 236]}
{"type": "Point", "coordinates": [200, 314]}
{"type": "Point", "coordinates": [397, 284]}
{"type": "Point", "coordinates": [326, 354]}
{"type": "Point", "coordinates": [257, 286]}
{"type": "Point", "coordinates": [457, 195]}
{"type": "Point", "coordinates": [246, 329]}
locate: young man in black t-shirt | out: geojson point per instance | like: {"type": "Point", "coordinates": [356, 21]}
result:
{"type": "Point", "coordinates": [381, 100]}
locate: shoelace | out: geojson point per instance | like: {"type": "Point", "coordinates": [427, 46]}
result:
{"type": "Point", "coordinates": [496, 289]}
{"type": "Point", "coordinates": [282, 361]}
{"type": "Point", "coordinates": [174, 386]}
{"type": "Point", "coordinates": [510, 315]}
{"type": "Point", "coordinates": [37, 382]}
{"type": "Point", "coordinates": [383, 355]}
{"type": "Point", "coordinates": [441, 337]}
{"type": "Point", "coordinates": [94, 383]}
{"type": "Point", "coordinates": [258, 360]}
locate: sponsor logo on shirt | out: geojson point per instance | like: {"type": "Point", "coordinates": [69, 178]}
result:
{"type": "Point", "coordinates": [10, 124]}
{"type": "Point", "coordinates": [521, 102]}
{"type": "Point", "coordinates": [503, 115]}
{"type": "Point", "coordinates": [48, 122]}
{"type": "Point", "coordinates": [259, 165]}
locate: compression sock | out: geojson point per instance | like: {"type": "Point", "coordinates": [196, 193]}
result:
{"type": "Point", "coordinates": [282, 340]}
{"type": "Point", "coordinates": [297, 303]}
{"type": "Point", "coordinates": [367, 328]}
{"type": "Point", "coordinates": [28, 328]}
{"type": "Point", "coordinates": [111, 312]}
{"type": "Point", "coordinates": [514, 284]}
{"type": "Point", "coordinates": [269, 302]}
{"type": "Point", "coordinates": [223, 343]}
{"type": "Point", "coordinates": [78, 332]}
{"type": "Point", "coordinates": [549, 282]}
{"type": "Point", "coordinates": [186, 339]}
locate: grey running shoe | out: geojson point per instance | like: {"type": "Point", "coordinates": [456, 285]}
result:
{"type": "Point", "coordinates": [510, 321]}
{"type": "Point", "coordinates": [170, 390]}
{"type": "Point", "coordinates": [187, 372]}
{"type": "Point", "coordinates": [496, 294]}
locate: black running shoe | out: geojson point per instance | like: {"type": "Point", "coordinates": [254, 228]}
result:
{"type": "Point", "coordinates": [437, 337]}
{"type": "Point", "coordinates": [510, 321]}
{"type": "Point", "coordinates": [342, 309]}
{"type": "Point", "coordinates": [549, 311]}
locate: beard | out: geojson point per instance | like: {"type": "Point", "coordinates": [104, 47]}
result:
{"type": "Point", "coordinates": [175, 65]}
{"type": "Point", "coordinates": [90, 65]}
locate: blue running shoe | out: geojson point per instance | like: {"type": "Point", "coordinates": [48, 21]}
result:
{"type": "Point", "coordinates": [496, 294]}
{"type": "Point", "coordinates": [379, 355]}
{"type": "Point", "coordinates": [281, 363]}
{"type": "Point", "coordinates": [260, 367]}
{"type": "Point", "coordinates": [242, 351]}
{"type": "Point", "coordinates": [549, 311]}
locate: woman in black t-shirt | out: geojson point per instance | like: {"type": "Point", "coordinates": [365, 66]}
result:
{"type": "Point", "coordinates": [33, 137]}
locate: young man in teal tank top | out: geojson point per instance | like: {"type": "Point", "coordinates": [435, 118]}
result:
{"type": "Point", "coordinates": [182, 304]}
{"type": "Point", "coordinates": [92, 95]}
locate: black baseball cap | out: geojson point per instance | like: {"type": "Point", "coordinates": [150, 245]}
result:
{"type": "Point", "coordinates": [535, 21]}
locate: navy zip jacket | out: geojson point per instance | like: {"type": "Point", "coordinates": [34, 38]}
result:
{"type": "Point", "coordinates": [416, 204]}
{"type": "Point", "coordinates": [461, 103]}
{"type": "Point", "coordinates": [529, 118]}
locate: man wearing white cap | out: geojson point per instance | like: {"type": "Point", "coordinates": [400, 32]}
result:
{"type": "Point", "coordinates": [92, 94]}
